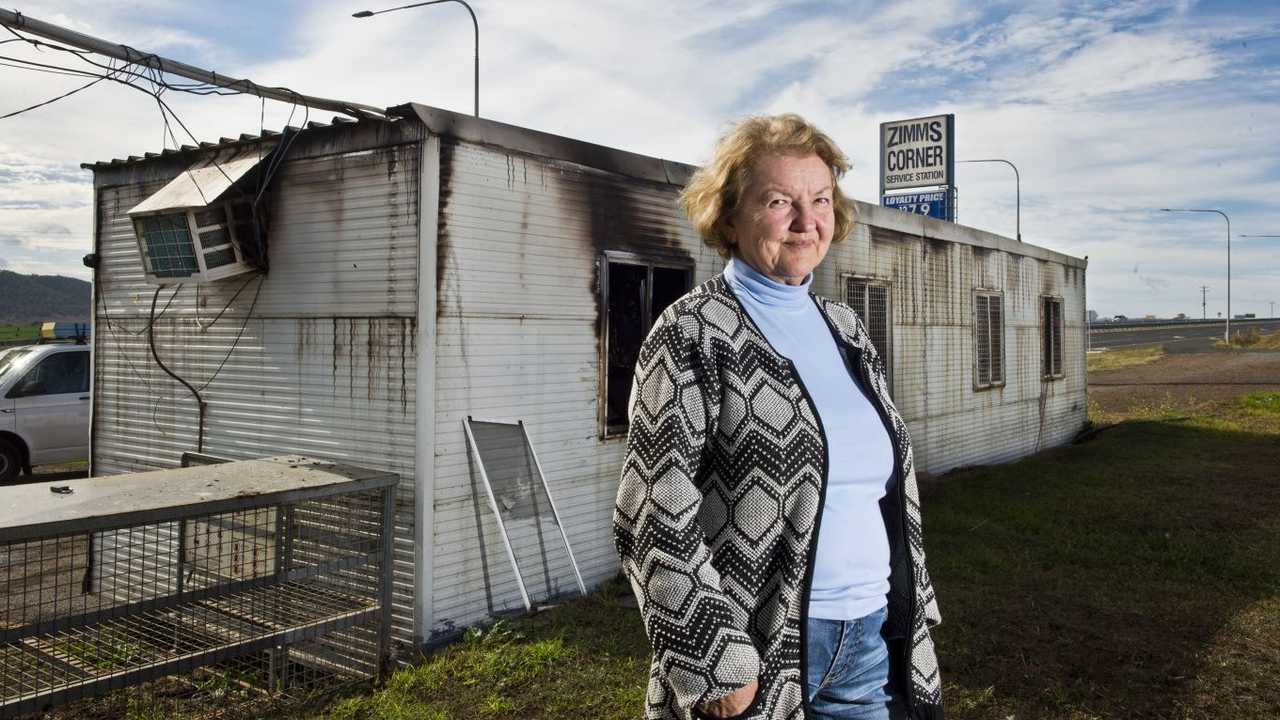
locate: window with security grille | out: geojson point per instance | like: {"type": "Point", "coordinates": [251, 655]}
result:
{"type": "Point", "coordinates": [1051, 338]}
{"type": "Point", "coordinates": [167, 242]}
{"type": "Point", "coordinates": [870, 300]}
{"type": "Point", "coordinates": [988, 330]}
{"type": "Point", "coordinates": [636, 291]}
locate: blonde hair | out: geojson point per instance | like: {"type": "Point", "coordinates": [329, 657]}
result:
{"type": "Point", "coordinates": [715, 189]}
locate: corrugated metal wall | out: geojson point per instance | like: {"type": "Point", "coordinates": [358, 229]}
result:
{"type": "Point", "coordinates": [932, 285]}
{"type": "Point", "coordinates": [519, 240]}
{"type": "Point", "coordinates": [325, 363]}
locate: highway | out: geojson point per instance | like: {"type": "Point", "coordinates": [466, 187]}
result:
{"type": "Point", "coordinates": [1175, 339]}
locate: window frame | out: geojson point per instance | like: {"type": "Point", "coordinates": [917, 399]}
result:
{"type": "Point", "coordinates": [14, 392]}
{"type": "Point", "coordinates": [1057, 352]}
{"type": "Point", "coordinates": [203, 272]}
{"type": "Point", "coordinates": [624, 257]}
{"type": "Point", "coordinates": [991, 383]}
{"type": "Point", "coordinates": [886, 353]}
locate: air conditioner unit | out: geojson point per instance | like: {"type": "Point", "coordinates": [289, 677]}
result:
{"type": "Point", "coordinates": [202, 226]}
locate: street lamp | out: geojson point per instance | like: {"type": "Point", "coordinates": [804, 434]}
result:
{"type": "Point", "coordinates": [1224, 217]}
{"type": "Point", "coordinates": [1017, 181]}
{"type": "Point", "coordinates": [474, 24]}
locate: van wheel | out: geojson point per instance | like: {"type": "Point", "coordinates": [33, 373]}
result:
{"type": "Point", "coordinates": [10, 461]}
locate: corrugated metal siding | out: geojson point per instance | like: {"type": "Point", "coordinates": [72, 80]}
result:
{"type": "Point", "coordinates": [326, 363]}
{"type": "Point", "coordinates": [932, 282]}
{"type": "Point", "coordinates": [519, 241]}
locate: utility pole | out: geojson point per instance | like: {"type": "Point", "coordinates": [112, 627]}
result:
{"type": "Point", "coordinates": [16, 21]}
{"type": "Point", "coordinates": [1203, 303]}
{"type": "Point", "coordinates": [1227, 332]}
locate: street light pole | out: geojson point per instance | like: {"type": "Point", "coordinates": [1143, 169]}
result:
{"type": "Point", "coordinates": [1017, 182]}
{"type": "Point", "coordinates": [474, 24]}
{"type": "Point", "coordinates": [1224, 217]}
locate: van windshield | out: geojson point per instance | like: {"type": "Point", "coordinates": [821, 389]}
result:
{"type": "Point", "coordinates": [12, 358]}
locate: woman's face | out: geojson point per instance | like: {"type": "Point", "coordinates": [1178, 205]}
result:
{"type": "Point", "coordinates": [782, 226]}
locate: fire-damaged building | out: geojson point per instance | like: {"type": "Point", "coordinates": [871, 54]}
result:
{"type": "Point", "coordinates": [359, 290]}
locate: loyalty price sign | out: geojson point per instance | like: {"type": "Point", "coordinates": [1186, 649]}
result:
{"type": "Point", "coordinates": [933, 204]}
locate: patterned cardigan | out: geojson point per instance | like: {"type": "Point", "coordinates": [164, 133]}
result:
{"type": "Point", "coordinates": [719, 507]}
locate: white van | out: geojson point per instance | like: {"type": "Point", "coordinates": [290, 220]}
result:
{"type": "Point", "coordinates": [44, 406]}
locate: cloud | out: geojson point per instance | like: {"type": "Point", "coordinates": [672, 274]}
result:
{"type": "Point", "coordinates": [1109, 111]}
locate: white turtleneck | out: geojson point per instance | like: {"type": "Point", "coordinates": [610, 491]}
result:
{"type": "Point", "coordinates": [851, 570]}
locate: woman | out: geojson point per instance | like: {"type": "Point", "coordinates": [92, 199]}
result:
{"type": "Point", "coordinates": [768, 516]}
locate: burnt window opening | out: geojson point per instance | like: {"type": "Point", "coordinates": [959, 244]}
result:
{"type": "Point", "coordinates": [635, 291]}
{"type": "Point", "coordinates": [870, 300]}
{"type": "Point", "coordinates": [1051, 339]}
{"type": "Point", "coordinates": [988, 329]}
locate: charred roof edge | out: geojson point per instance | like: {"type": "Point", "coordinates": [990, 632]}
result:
{"type": "Point", "coordinates": [534, 142]}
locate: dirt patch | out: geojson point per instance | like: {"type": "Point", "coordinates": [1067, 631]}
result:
{"type": "Point", "coordinates": [1185, 380]}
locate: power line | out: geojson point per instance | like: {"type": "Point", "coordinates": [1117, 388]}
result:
{"type": "Point", "coordinates": [50, 101]}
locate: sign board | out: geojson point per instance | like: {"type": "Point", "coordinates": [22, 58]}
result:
{"type": "Point", "coordinates": [919, 152]}
{"type": "Point", "coordinates": [934, 204]}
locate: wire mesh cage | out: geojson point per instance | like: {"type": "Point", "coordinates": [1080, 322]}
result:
{"type": "Point", "coordinates": [275, 572]}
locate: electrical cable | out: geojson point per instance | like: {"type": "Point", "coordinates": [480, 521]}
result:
{"type": "Point", "coordinates": [151, 341]}
{"type": "Point", "coordinates": [245, 324]}
{"type": "Point", "coordinates": [153, 75]}
{"type": "Point", "coordinates": [116, 338]}
{"type": "Point", "coordinates": [218, 317]}
{"type": "Point", "coordinates": [86, 86]}
{"type": "Point", "coordinates": [107, 316]}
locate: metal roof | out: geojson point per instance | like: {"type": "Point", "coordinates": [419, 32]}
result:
{"type": "Point", "coordinates": [471, 129]}
{"type": "Point", "coordinates": [204, 147]}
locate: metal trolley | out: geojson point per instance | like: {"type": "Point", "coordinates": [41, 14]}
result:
{"type": "Point", "coordinates": [277, 568]}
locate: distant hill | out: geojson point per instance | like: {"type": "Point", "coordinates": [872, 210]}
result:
{"type": "Point", "coordinates": [27, 299]}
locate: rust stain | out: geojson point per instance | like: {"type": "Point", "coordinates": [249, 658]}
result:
{"type": "Point", "coordinates": [393, 200]}
{"type": "Point", "coordinates": [337, 350]}
{"type": "Point", "coordinates": [408, 327]}
{"type": "Point", "coordinates": [448, 150]}
{"type": "Point", "coordinates": [351, 358]}
{"type": "Point", "coordinates": [373, 348]}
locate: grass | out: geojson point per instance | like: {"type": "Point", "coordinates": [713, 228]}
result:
{"type": "Point", "coordinates": [107, 651]}
{"type": "Point", "coordinates": [1113, 359]}
{"type": "Point", "coordinates": [19, 332]}
{"type": "Point", "coordinates": [1251, 339]}
{"type": "Point", "coordinates": [588, 658]}
{"type": "Point", "coordinates": [1133, 576]}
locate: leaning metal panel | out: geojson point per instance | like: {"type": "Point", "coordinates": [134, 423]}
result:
{"type": "Point", "coordinates": [281, 587]}
{"type": "Point", "coordinates": [526, 514]}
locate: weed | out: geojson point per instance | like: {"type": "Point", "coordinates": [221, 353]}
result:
{"type": "Point", "coordinates": [1260, 404]}
{"type": "Point", "coordinates": [1115, 359]}
{"type": "Point", "coordinates": [1252, 339]}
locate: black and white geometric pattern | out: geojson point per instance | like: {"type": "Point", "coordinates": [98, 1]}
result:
{"type": "Point", "coordinates": [718, 507]}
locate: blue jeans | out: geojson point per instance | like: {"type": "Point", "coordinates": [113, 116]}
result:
{"type": "Point", "coordinates": [848, 668]}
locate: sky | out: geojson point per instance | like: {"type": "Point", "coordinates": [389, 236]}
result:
{"type": "Point", "coordinates": [1110, 110]}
